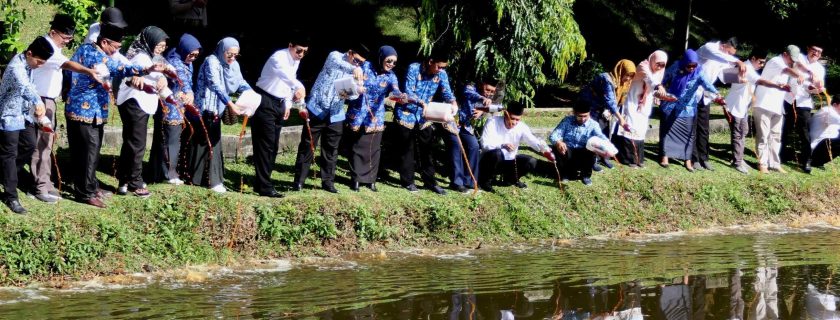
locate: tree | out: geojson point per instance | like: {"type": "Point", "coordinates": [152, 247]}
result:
{"type": "Point", "coordinates": [516, 41]}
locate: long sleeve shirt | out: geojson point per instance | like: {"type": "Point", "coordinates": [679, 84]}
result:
{"type": "Point", "coordinates": [465, 111]}
{"type": "Point", "coordinates": [279, 76]}
{"type": "Point", "coordinates": [421, 87]}
{"type": "Point", "coordinates": [48, 78]}
{"type": "Point", "coordinates": [497, 134]}
{"type": "Point", "coordinates": [599, 94]}
{"type": "Point", "coordinates": [824, 125]}
{"type": "Point", "coordinates": [799, 91]}
{"type": "Point", "coordinates": [324, 101]}
{"type": "Point", "coordinates": [88, 100]}
{"type": "Point", "coordinates": [173, 114]}
{"type": "Point", "coordinates": [574, 134]}
{"type": "Point", "coordinates": [712, 62]}
{"type": "Point", "coordinates": [148, 102]}
{"type": "Point", "coordinates": [368, 110]}
{"type": "Point", "coordinates": [686, 103]}
{"type": "Point", "coordinates": [210, 93]}
{"type": "Point", "coordinates": [17, 95]}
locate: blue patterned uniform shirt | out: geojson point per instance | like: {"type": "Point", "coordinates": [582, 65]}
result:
{"type": "Point", "coordinates": [174, 114]}
{"type": "Point", "coordinates": [575, 135]}
{"type": "Point", "coordinates": [88, 100]}
{"type": "Point", "coordinates": [599, 95]}
{"type": "Point", "coordinates": [369, 109]}
{"type": "Point", "coordinates": [686, 105]}
{"type": "Point", "coordinates": [465, 111]}
{"type": "Point", "coordinates": [17, 95]}
{"type": "Point", "coordinates": [324, 101]}
{"type": "Point", "coordinates": [421, 87]}
{"type": "Point", "coordinates": [210, 95]}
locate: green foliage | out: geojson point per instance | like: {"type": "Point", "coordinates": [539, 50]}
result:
{"type": "Point", "coordinates": [15, 12]}
{"type": "Point", "coordinates": [512, 40]}
{"type": "Point", "coordinates": [588, 70]}
{"type": "Point", "coordinates": [12, 17]}
{"type": "Point", "coordinates": [368, 224]}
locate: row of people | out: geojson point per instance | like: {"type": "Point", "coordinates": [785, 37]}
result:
{"type": "Point", "coordinates": [628, 93]}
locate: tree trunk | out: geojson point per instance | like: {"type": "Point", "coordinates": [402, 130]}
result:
{"type": "Point", "coordinates": [682, 21]}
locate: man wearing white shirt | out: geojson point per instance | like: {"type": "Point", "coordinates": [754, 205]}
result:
{"type": "Point", "coordinates": [738, 102]}
{"type": "Point", "coordinates": [798, 106]}
{"type": "Point", "coordinates": [500, 139]}
{"type": "Point", "coordinates": [279, 87]}
{"type": "Point", "coordinates": [48, 83]}
{"type": "Point", "coordinates": [769, 110]}
{"type": "Point", "coordinates": [825, 133]}
{"type": "Point", "coordinates": [714, 57]}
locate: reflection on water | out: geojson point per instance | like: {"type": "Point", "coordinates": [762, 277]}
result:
{"type": "Point", "coordinates": [742, 276]}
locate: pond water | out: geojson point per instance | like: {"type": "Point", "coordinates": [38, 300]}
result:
{"type": "Point", "coordinates": [770, 273]}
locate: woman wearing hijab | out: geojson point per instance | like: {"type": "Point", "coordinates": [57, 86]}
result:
{"type": "Point", "coordinates": [636, 109]}
{"type": "Point", "coordinates": [135, 106]}
{"type": "Point", "coordinates": [676, 130]}
{"type": "Point", "coordinates": [218, 78]}
{"type": "Point", "coordinates": [365, 118]}
{"type": "Point", "coordinates": [169, 120]}
{"type": "Point", "coordinates": [604, 94]}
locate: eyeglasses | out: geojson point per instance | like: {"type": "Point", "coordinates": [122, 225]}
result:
{"type": "Point", "coordinates": [301, 51]}
{"type": "Point", "coordinates": [192, 55]}
{"type": "Point", "coordinates": [115, 44]}
{"type": "Point", "coordinates": [232, 55]}
{"type": "Point", "coordinates": [64, 36]}
{"type": "Point", "coordinates": [390, 61]}
{"type": "Point", "coordinates": [161, 46]}
{"type": "Point", "coordinates": [660, 64]}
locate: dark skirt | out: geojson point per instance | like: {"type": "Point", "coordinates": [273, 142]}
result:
{"type": "Point", "coordinates": [204, 166]}
{"type": "Point", "coordinates": [630, 151]}
{"type": "Point", "coordinates": [364, 161]}
{"type": "Point", "coordinates": [166, 145]}
{"type": "Point", "coordinates": [676, 137]}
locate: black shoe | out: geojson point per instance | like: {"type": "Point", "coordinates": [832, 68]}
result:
{"type": "Point", "coordinates": [272, 194]}
{"type": "Point", "coordinates": [15, 206]}
{"type": "Point", "coordinates": [354, 185]}
{"type": "Point", "coordinates": [520, 185]}
{"type": "Point", "coordinates": [412, 188]}
{"type": "Point", "coordinates": [372, 187]}
{"type": "Point", "coordinates": [706, 165]}
{"type": "Point", "coordinates": [297, 187]}
{"type": "Point", "coordinates": [486, 187]}
{"type": "Point", "coordinates": [459, 188]}
{"type": "Point", "coordinates": [329, 188]}
{"type": "Point", "coordinates": [437, 190]}
{"type": "Point", "coordinates": [807, 167]}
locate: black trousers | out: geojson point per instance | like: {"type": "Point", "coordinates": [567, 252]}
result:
{"type": "Point", "coordinates": [575, 162]}
{"type": "Point", "coordinates": [493, 162]}
{"type": "Point", "coordinates": [85, 141]}
{"type": "Point", "coordinates": [329, 134]}
{"type": "Point", "coordinates": [701, 131]}
{"type": "Point", "coordinates": [417, 143]}
{"type": "Point", "coordinates": [630, 151]}
{"type": "Point", "coordinates": [796, 135]}
{"type": "Point", "coordinates": [16, 148]}
{"type": "Point", "coordinates": [135, 122]}
{"type": "Point", "coordinates": [826, 150]}
{"type": "Point", "coordinates": [365, 156]}
{"type": "Point", "coordinates": [166, 146]}
{"type": "Point", "coordinates": [205, 164]}
{"type": "Point", "coordinates": [265, 136]}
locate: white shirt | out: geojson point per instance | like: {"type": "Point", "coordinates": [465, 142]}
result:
{"type": "Point", "coordinates": [147, 101]}
{"type": "Point", "coordinates": [772, 99]}
{"type": "Point", "coordinates": [48, 77]}
{"type": "Point", "coordinates": [800, 91]}
{"type": "Point", "coordinates": [496, 134]}
{"type": "Point", "coordinates": [93, 33]}
{"type": "Point", "coordinates": [638, 117]}
{"type": "Point", "coordinates": [712, 62]}
{"type": "Point", "coordinates": [824, 125]}
{"type": "Point", "coordinates": [279, 76]}
{"type": "Point", "coordinates": [740, 95]}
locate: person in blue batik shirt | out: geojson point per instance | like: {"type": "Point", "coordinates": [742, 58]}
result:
{"type": "Point", "coordinates": [18, 98]}
{"type": "Point", "coordinates": [87, 108]}
{"type": "Point", "coordinates": [676, 130]}
{"type": "Point", "coordinates": [477, 99]}
{"type": "Point", "coordinates": [366, 118]}
{"type": "Point", "coordinates": [568, 142]}
{"type": "Point", "coordinates": [169, 119]}
{"type": "Point", "coordinates": [422, 81]}
{"type": "Point", "coordinates": [218, 78]}
{"type": "Point", "coordinates": [325, 114]}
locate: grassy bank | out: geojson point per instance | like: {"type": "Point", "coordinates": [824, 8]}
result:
{"type": "Point", "coordinates": [191, 225]}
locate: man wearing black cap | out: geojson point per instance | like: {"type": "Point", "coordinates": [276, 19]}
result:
{"type": "Point", "coordinates": [48, 84]}
{"type": "Point", "coordinates": [88, 106]}
{"type": "Point", "coordinates": [18, 98]}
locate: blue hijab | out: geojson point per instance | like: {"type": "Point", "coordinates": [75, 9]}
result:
{"type": "Point", "coordinates": [187, 44]}
{"type": "Point", "coordinates": [231, 74]}
{"type": "Point", "coordinates": [385, 52]}
{"type": "Point", "coordinates": [682, 77]}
